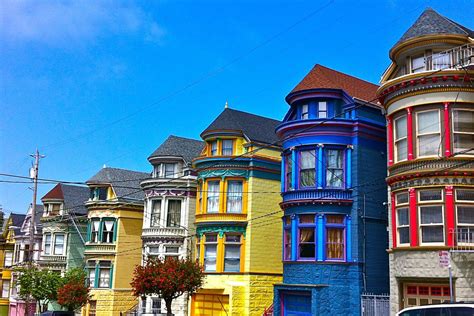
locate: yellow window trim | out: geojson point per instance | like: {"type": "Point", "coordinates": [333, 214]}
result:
{"type": "Point", "coordinates": [201, 208]}
{"type": "Point", "coordinates": [220, 252]}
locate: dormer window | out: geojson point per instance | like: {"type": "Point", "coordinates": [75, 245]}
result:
{"type": "Point", "coordinates": [99, 194]}
{"type": "Point", "coordinates": [227, 147]}
{"type": "Point", "coordinates": [166, 170]}
{"type": "Point", "coordinates": [322, 109]}
{"type": "Point", "coordinates": [169, 170]}
{"type": "Point", "coordinates": [213, 148]}
{"type": "Point", "coordinates": [52, 209]}
{"type": "Point", "coordinates": [304, 112]}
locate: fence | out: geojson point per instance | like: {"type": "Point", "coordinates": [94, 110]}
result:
{"type": "Point", "coordinates": [375, 305]}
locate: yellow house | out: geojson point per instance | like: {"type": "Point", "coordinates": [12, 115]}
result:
{"type": "Point", "coordinates": [113, 245]}
{"type": "Point", "coordinates": [238, 240]}
{"type": "Point", "coordinates": [7, 245]}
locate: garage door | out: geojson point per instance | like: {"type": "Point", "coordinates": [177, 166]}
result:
{"type": "Point", "coordinates": [210, 305]}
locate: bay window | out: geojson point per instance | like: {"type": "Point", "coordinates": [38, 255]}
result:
{"type": "Point", "coordinates": [47, 244]}
{"type": "Point", "coordinates": [213, 188]}
{"type": "Point", "coordinates": [428, 133]}
{"type": "Point", "coordinates": [91, 273]}
{"type": "Point", "coordinates": [307, 240]}
{"type": "Point", "coordinates": [463, 131]}
{"type": "Point", "coordinates": [232, 253]}
{"type": "Point", "coordinates": [213, 148]}
{"type": "Point", "coordinates": [287, 238]}
{"type": "Point", "coordinates": [431, 216]}
{"type": "Point", "coordinates": [227, 147]}
{"type": "Point", "coordinates": [334, 168]}
{"type": "Point", "coordinates": [234, 196]}
{"type": "Point", "coordinates": [418, 63]}
{"type": "Point", "coordinates": [155, 213]}
{"type": "Point", "coordinates": [59, 244]}
{"type": "Point", "coordinates": [95, 231]}
{"type": "Point", "coordinates": [335, 239]}
{"type": "Point", "coordinates": [210, 252]}
{"type": "Point", "coordinates": [322, 109]}
{"type": "Point", "coordinates": [304, 111]}
{"type": "Point", "coordinates": [102, 230]}
{"type": "Point", "coordinates": [465, 216]}
{"type": "Point", "coordinates": [402, 218]}
{"type": "Point", "coordinates": [401, 139]}
{"type": "Point", "coordinates": [169, 170]}
{"type": "Point", "coordinates": [307, 175]}
{"type": "Point", "coordinates": [108, 231]}
{"type": "Point", "coordinates": [104, 274]}
{"type": "Point", "coordinates": [288, 172]}
{"type": "Point", "coordinates": [173, 218]}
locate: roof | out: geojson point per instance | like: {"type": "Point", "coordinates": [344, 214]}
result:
{"type": "Point", "coordinates": [73, 197]}
{"type": "Point", "coordinates": [17, 221]}
{"type": "Point", "coordinates": [186, 148]}
{"type": "Point", "coordinates": [38, 214]}
{"type": "Point", "coordinates": [257, 128]}
{"type": "Point", "coordinates": [126, 183]}
{"type": "Point", "coordinates": [431, 22]}
{"type": "Point", "coordinates": [321, 77]}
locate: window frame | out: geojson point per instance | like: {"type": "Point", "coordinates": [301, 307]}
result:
{"type": "Point", "coordinates": [304, 111]}
{"type": "Point", "coordinates": [311, 151]}
{"type": "Point", "coordinates": [224, 255]}
{"type": "Point", "coordinates": [6, 289]}
{"type": "Point", "coordinates": [437, 203]}
{"type": "Point", "coordinates": [326, 168]}
{"type": "Point", "coordinates": [63, 244]}
{"type": "Point", "coordinates": [468, 226]}
{"type": "Point", "coordinates": [206, 243]}
{"type": "Point", "coordinates": [45, 244]}
{"type": "Point", "coordinates": [419, 69]}
{"type": "Point", "coordinates": [105, 265]}
{"type": "Point", "coordinates": [325, 111]}
{"type": "Point", "coordinates": [224, 149]}
{"type": "Point", "coordinates": [337, 226]}
{"type": "Point", "coordinates": [299, 243]}
{"type": "Point", "coordinates": [213, 148]}
{"type": "Point", "coordinates": [168, 221]}
{"type": "Point", "coordinates": [454, 132]}
{"type": "Point", "coordinates": [396, 140]}
{"type": "Point", "coordinates": [155, 222]}
{"type": "Point", "coordinates": [289, 185]}
{"type": "Point", "coordinates": [420, 135]}
{"type": "Point", "coordinates": [399, 206]}
{"type": "Point", "coordinates": [110, 233]}
{"type": "Point", "coordinates": [216, 195]}
{"type": "Point", "coordinates": [227, 195]}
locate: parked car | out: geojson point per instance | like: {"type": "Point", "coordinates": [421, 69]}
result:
{"type": "Point", "coordinates": [57, 313]}
{"type": "Point", "coordinates": [455, 309]}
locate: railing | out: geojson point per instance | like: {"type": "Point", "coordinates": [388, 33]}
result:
{"type": "Point", "coordinates": [268, 311]}
{"type": "Point", "coordinates": [375, 305]}
{"type": "Point", "coordinates": [317, 194]}
{"type": "Point", "coordinates": [463, 239]}
{"type": "Point", "coordinates": [164, 231]}
{"type": "Point", "coordinates": [53, 258]}
{"type": "Point", "coordinates": [458, 57]}
{"type": "Point", "coordinates": [99, 248]}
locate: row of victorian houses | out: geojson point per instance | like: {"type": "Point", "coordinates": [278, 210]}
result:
{"type": "Point", "coordinates": [288, 216]}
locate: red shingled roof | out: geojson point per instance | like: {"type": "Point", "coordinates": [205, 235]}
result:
{"type": "Point", "coordinates": [321, 77]}
{"type": "Point", "coordinates": [55, 193]}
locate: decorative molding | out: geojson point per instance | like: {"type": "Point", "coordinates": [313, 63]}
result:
{"type": "Point", "coordinates": [166, 192]}
{"type": "Point", "coordinates": [223, 173]}
{"type": "Point", "coordinates": [432, 181]}
{"type": "Point", "coordinates": [221, 230]}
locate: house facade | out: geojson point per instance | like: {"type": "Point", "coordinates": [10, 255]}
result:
{"type": "Point", "coordinates": [428, 95]}
{"type": "Point", "coordinates": [238, 234]}
{"type": "Point", "coordinates": [113, 242]}
{"type": "Point", "coordinates": [170, 205]}
{"type": "Point", "coordinates": [23, 253]}
{"type": "Point", "coordinates": [7, 245]}
{"type": "Point", "coordinates": [333, 189]}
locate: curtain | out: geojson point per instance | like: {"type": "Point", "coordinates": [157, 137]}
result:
{"type": "Point", "coordinates": [104, 279]}
{"type": "Point", "coordinates": [400, 128]}
{"type": "Point", "coordinates": [109, 226]}
{"type": "Point", "coordinates": [402, 216]}
{"type": "Point", "coordinates": [155, 213]}
{"type": "Point", "coordinates": [335, 243]}
{"type": "Point", "coordinates": [213, 197]}
{"type": "Point", "coordinates": [307, 168]}
{"type": "Point", "coordinates": [306, 234]}
{"type": "Point", "coordinates": [210, 257]}
{"type": "Point", "coordinates": [174, 213]}
{"type": "Point", "coordinates": [234, 197]}
{"type": "Point", "coordinates": [95, 226]}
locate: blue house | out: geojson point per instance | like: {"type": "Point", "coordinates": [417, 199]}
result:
{"type": "Point", "coordinates": [335, 219]}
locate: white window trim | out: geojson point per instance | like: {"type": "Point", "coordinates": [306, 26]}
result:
{"type": "Point", "coordinates": [150, 212]}
{"type": "Point", "coordinates": [418, 135]}
{"type": "Point", "coordinates": [453, 132]}
{"type": "Point", "coordinates": [324, 111]}
{"type": "Point", "coordinates": [166, 212]}
{"type": "Point", "coordinates": [420, 226]}
{"type": "Point", "coordinates": [424, 62]}
{"type": "Point", "coordinates": [397, 206]}
{"type": "Point", "coordinates": [395, 140]}
{"type": "Point", "coordinates": [420, 202]}
{"type": "Point", "coordinates": [50, 244]}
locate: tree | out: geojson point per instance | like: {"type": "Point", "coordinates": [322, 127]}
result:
{"type": "Point", "coordinates": [38, 285]}
{"type": "Point", "coordinates": [73, 293]}
{"type": "Point", "coordinates": [169, 279]}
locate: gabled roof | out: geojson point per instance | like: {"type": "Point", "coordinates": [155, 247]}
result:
{"type": "Point", "coordinates": [126, 183]}
{"type": "Point", "coordinates": [321, 77]}
{"type": "Point", "coordinates": [174, 146]}
{"type": "Point", "coordinates": [16, 221]}
{"type": "Point", "coordinates": [431, 22]}
{"type": "Point", "coordinates": [38, 214]}
{"type": "Point", "coordinates": [257, 128]}
{"type": "Point", "coordinates": [73, 197]}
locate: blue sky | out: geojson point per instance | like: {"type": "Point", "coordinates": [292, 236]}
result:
{"type": "Point", "coordinates": [90, 83]}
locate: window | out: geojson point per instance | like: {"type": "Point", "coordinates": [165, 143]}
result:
{"type": "Point", "coordinates": [465, 216]}
{"type": "Point", "coordinates": [463, 131]}
{"type": "Point", "coordinates": [334, 168]}
{"type": "Point", "coordinates": [171, 252]}
{"type": "Point", "coordinates": [232, 253]}
{"type": "Point", "coordinates": [431, 216]}
{"type": "Point", "coordinates": [214, 148]}
{"type": "Point", "coordinates": [213, 196]}
{"type": "Point", "coordinates": [47, 244]}
{"type": "Point", "coordinates": [210, 252]}
{"type": "Point", "coordinates": [174, 213]}
{"type": "Point", "coordinates": [400, 142]}
{"type": "Point", "coordinates": [227, 147]}
{"type": "Point", "coordinates": [17, 252]}
{"type": "Point", "coordinates": [304, 112]}
{"type": "Point", "coordinates": [8, 261]}
{"type": "Point", "coordinates": [307, 240]}
{"type": "Point", "coordinates": [95, 231]}
{"type": "Point", "coordinates": [91, 273]}
{"type": "Point", "coordinates": [5, 288]}
{"type": "Point", "coordinates": [335, 241]}
{"type": "Point", "coordinates": [99, 194]}
{"type": "Point", "coordinates": [428, 133]}
{"type": "Point", "coordinates": [322, 109]}
{"type": "Point", "coordinates": [307, 165]}
{"type": "Point", "coordinates": [155, 305]}
{"type": "Point", "coordinates": [104, 274]}
{"type": "Point", "coordinates": [287, 238]}
{"type": "Point", "coordinates": [108, 231]}
{"type": "Point", "coordinates": [234, 196]}
{"type": "Point", "coordinates": [288, 172]}
{"type": "Point", "coordinates": [403, 219]}
{"type": "Point", "coordinates": [440, 61]}
{"type": "Point", "coordinates": [155, 213]}
{"type": "Point", "coordinates": [58, 244]}
{"type": "Point", "coordinates": [169, 171]}
{"type": "Point", "coordinates": [418, 64]}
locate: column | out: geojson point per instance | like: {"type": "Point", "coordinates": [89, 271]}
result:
{"type": "Point", "coordinates": [447, 130]}
{"type": "Point", "coordinates": [413, 218]}
{"type": "Point", "coordinates": [390, 140]}
{"type": "Point", "coordinates": [320, 167]}
{"type": "Point", "coordinates": [349, 166]}
{"type": "Point", "coordinates": [450, 226]}
{"type": "Point", "coordinates": [348, 239]}
{"type": "Point", "coordinates": [294, 237]}
{"type": "Point", "coordinates": [410, 133]}
{"type": "Point", "coordinates": [320, 238]}
{"type": "Point", "coordinates": [394, 219]}
{"type": "Point", "coordinates": [283, 173]}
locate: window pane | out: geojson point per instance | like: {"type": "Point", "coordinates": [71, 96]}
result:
{"type": "Point", "coordinates": [211, 238]}
{"type": "Point", "coordinates": [307, 245]}
{"type": "Point", "coordinates": [334, 219]}
{"type": "Point", "coordinates": [232, 238]}
{"type": "Point", "coordinates": [288, 167]}
{"type": "Point", "coordinates": [463, 121]}
{"type": "Point", "coordinates": [232, 258]}
{"type": "Point", "coordinates": [417, 64]}
{"type": "Point", "coordinates": [58, 244]}
{"type": "Point", "coordinates": [307, 168]}
{"type": "Point", "coordinates": [234, 197]}
{"type": "Point", "coordinates": [463, 143]}
{"type": "Point", "coordinates": [335, 243]}
{"type": "Point", "coordinates": [404, 235]}
{"type": "Point", "coordinates": [402, 150]}
{"type": "Point", "coordinates": [213, 148]}
{"type": "Point", "coordinates": [174, 213]}
{"type": "Point", "coordinates": [304, 112]}
{"type": "Point", "coordinates": [402, 216]}
{"type": "Point", "coordinates": [104, 278]}
{"type": "Point", "coordinates": [431, 214]}
{"type": "Point", "coordinates": [402, 198]}
{"type": "Point", "coordinates": [401, 127]}
{"type": "Point", "coordinates": [428, 122]}
{"type": "Point", "coordinates": [466, 215]}
{"type": "Point", "coordinates": [287, 250]}
{"type": "Point", "coordinates": [155, 213]}
{"type": "Point", "coordinates": [227, 147]}
{"type": "Point", "coordinates": [213, 196]}
{"type": "Point", "coordinates": [334, 172]}
{"type": "Point", "coordinates": [465, 195]}
{"type": "Point", "coordinates": [307, 219]}
{"type": "Point", "coordinates": [210, 258]}
{"type": "Point", "coordinates": [432, 234]}
{"type": "Point", "coordinates": [431, 195]}
{"type": "Point", "coordinates": [429, 145]}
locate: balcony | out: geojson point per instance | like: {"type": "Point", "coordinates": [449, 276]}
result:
{"type": "Point", "coordinates": [463, 239]}
{"type": "Point", "coordinates": [317, 194]}
{"type": "Point", "coordinates": [53, 259]}
{"type": "Point", "coordinates": [98, 248]}
{"type": "Point", "coordinates": [163, 231]}
{"type": "Point", "coordinates": [455, 58]}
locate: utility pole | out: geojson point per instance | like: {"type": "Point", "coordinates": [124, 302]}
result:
{"type": "Point", "coordinates": [34, 176]}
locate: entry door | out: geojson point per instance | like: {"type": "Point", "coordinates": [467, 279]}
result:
{"type": "Point", "coordinates": [296, 304]}
{"type": "Point", "coordinates": [210, 305]}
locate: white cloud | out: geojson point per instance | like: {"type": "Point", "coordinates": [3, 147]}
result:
{"type": "Point", "coordinates": [69, 22]}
